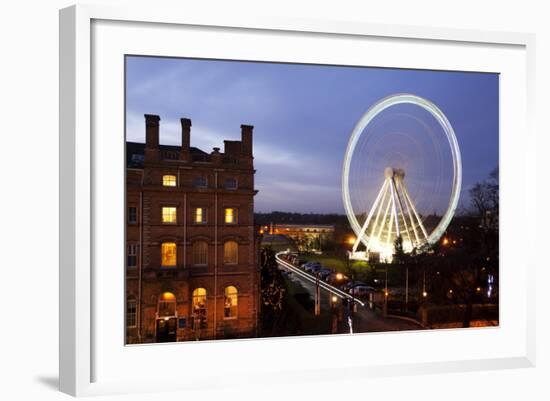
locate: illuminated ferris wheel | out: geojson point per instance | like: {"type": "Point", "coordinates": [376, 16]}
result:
{"type": "Point", "coordinates": [401, 160]}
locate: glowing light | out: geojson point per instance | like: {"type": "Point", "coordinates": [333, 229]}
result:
{"type": "Point", "coordinates": [199, 215]}
{"type": "Point", "coordinates": [168, 254]}
{"type": "Point", "coordinates": [167, 296]}
{"type": "Point", "coordinates": [229, 215]}
{"type": "Point", "coordinates": [169, 180]}
{"type": "Point", "coordinates": [334, 299]}
{"type": "Point", "coordinates": [168, 214]}
{"type": "Point", "coordinates": [424, 294]}
{"type": "Point", "coordinates": [456, 159]}
{"type": "Point", "coordinates": [339, 276]}
{"type": "Point", "coordinates": [445, 241]}
{"type": "Point", "coordinates": [351, 240]}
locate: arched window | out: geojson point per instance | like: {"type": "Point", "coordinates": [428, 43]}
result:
{"type": "Point", "coordinates": [169, 180]}
{"type": "Point", "coordinates": [167, 304]}
{"type": "Point", "coordinates": [231, 302]}
{"type": "Point", "coordinates": [230, 252]}
{"type": "Point", "coordinates": [199, 308]}
{"type": "Point", "coordinates": [131, 311]}
{"type": "Point", "coordinates": [168, 254]}
{"type": "Point", "coordinates": [200, 253]}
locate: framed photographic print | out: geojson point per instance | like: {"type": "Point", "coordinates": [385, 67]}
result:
{"type": "Point", "coordinates": [269, 197]}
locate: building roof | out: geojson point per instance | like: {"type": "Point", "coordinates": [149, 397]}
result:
{"type": "Point", "coordinates": [135, 152]}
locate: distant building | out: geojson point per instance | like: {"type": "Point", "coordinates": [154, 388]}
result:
{"type": "Point", "coordinates": [307, 237]}
{"type": "Point", "coordinates": [191, 247]}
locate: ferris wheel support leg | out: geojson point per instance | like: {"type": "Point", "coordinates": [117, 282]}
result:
{"type": "Point", "coordinates": [380, 207]}
{"type": "Point", "coordinates": [369, 217]}
{"type": "Point", "coordinates": [394, 207]}
{"type": "Point", "coordinates": [379, 236]}
{"type": "Point", "coordinates": [390, 224]}
{"type": "Point", "coordinates": [410, 216]}
{"type": "Point", "coordinates": [406, 192]}
{"type": "Point", "coordinates": [399, 203]}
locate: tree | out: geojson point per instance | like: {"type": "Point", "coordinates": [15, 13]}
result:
{"type": "Point", "coordinates": [272, 292]}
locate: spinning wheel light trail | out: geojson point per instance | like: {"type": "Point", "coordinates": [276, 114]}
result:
{"type": "Point", "coordinates": [393, 213]}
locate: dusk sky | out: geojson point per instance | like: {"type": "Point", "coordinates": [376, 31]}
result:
{"type": "Point", "coordinates": [303, 116]}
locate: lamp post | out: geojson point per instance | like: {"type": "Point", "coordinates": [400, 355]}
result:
{"type": "Point", "coordinates": [386, 293]}
{"type": "Point", "coordinates": [350, 243]}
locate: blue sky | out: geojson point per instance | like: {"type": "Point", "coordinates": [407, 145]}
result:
{"type": "Point", "coordinates": [303, 116]}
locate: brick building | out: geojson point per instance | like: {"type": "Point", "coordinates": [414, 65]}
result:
{"type": "Point", "coordinates": [191, 266]}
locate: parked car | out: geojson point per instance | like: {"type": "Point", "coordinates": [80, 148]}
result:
{"type": "Point", "coordinates": [314, 269]}
{"type": "Point", "coordinates": [309, 266]}
{"type": "Point", "coordinates": [324, 273]}
{"type": "Point", "coordinates": [351, 284]}
{"type": "Point", "coordinates": [361, 291]}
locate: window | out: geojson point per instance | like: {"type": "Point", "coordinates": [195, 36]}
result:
{"type": "Point", "coordinates": [168, 180]}
{"type": "Point", "coordinates": [132, 215]}
{"type": "Point", "coordinates": [169, 215]}
{"type": "Point", "coordinates": [131, 311]}
{"type": "Point", "coordinates": [200, 215]}
{"type": "Point", "coordinates": [132, 255]}
{"type": "Point", "coordinates": [199, 308]}
{"type": "Point", "coordinates": [230, 215]}
{"type": "Point", "coordinates": [230, 183]}
{"type": "Point", "coordinates": [200, 182]}
{"type": "Point", "coordinates": [231, 302]}
{"type": "Point", "coordinates": [200, 253]}
{"type": "Point", "coordinates": [167, 305]}
{"type": "Point", "coordinates": [230, 252]}
{"type": "Point", "coordinates": [168, 254]}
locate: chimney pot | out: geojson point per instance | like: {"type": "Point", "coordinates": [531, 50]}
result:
{"type": "Point", "coordinates": [246, 139]}
{"type": "Point", "coordinates": [185, 138]}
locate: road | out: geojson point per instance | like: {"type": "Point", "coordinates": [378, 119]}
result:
{"type": "Point", "coordinates": [365, 319]}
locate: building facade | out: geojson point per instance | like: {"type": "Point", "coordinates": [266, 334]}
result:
{"type": "Point", "coordinates": [307, 237]}
{"type": "Point", "coordinates": [191, 259]}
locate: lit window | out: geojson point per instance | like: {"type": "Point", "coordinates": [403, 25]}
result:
{"type": "Point", "coordinates": [230, 252]}
{"type": "Point", "coordinates": [200, 182]}
{"type": "Point", "coordinates": [169, 180]}
{"type": "Point", "coordinates": [168, 254]}
{"type": "Point", "coordinates": [230, 183]}
{"type": "Point", "coordinates": [167, 304]}
{"type": "Point", "coordinates": [132, 255]}
{"type": "Point", "coordinates": [199, 308]}
{"type": "Point", "coordinates": [131, 309]}
{"type": "Point", "coordinates": [169, 215]}
{"type": "Point", "coordinates": [200, 253]}
{"type": "Point", "coordinates": [200, 215]}
{"type": "Point", "coordinates": [230, 215]}
{"type": "Point", "coordinates": [132, 215]}
{"type": "Point", "coordinates": [231, 302]}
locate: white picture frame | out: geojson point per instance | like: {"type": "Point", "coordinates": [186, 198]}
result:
{"type": "Point", "coordinates": [91, 364]}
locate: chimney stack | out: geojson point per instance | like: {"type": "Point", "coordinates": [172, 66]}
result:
{"type": "Point", "coordinates": [152, 151]}
{"type": "Point", "coordinates": [185, 153]}
{"type": "Point", "coordinates": [246, 139]}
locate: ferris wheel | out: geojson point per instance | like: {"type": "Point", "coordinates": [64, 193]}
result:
{"type": "Point", "coordinates": [393, 212]}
